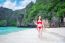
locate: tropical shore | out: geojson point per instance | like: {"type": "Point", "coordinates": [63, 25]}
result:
{"type": "Point", "coordinates": [50, 35]}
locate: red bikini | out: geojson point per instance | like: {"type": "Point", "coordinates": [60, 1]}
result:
{"type": "Point", "coordinates": [39, 27]}
{"type": "Point", "coordinates": [39, 22]}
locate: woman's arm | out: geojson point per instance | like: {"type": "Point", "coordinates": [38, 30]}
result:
{"type": "Point", "coordinates": [35, 22]}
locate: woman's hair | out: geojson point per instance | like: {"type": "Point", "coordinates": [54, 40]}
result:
{"type": "Point", "coordinates": [38, 18]}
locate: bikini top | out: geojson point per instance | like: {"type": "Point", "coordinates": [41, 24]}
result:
{"type": "Point", "coordinates": [39, 22]}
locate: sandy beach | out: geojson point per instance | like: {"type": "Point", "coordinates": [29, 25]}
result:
{"type": "Point", "coordinates": [50, 35]}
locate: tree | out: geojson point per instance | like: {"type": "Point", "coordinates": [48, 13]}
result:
{"type": "Point", "coordinates": [48, 9]}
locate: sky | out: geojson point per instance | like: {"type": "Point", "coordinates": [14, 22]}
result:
{"type": "Point", "coordinates": [15, 4]}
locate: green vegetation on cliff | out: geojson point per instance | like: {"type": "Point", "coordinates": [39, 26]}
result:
{"type": "Point", "coordinates": [47, 9]}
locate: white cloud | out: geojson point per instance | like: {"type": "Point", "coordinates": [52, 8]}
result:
{"type": "Point", "coordinates": [12, 5]}
{"type": "Point", "coordinates": [9, 4]}
{"type": "Point", "coordinates": [33, 1]}
{"type": "Point", "coordinates": [23, 4]}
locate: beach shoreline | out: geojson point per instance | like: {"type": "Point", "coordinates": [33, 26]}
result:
{"type": "Point", "coordinates": [50, 35]}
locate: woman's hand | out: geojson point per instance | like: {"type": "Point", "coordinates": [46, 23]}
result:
{"type": "Point", "coordinates": [35, 22]}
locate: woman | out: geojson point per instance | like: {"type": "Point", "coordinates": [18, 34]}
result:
{"type": "Point", "coordinates": [40, 24]}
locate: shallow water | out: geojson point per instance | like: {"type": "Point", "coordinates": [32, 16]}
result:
{"type": "Point", "coordinates": [6, 30]}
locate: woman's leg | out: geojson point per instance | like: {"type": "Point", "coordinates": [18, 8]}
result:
{"type": "Point", "coordinates": [40, 32]}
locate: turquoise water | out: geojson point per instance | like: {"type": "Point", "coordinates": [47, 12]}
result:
{"type": "Point", "coordinates": [6, 30]}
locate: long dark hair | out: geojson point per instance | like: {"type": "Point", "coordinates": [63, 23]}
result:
{"type": "Point", "coordinates": [38, 18]}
